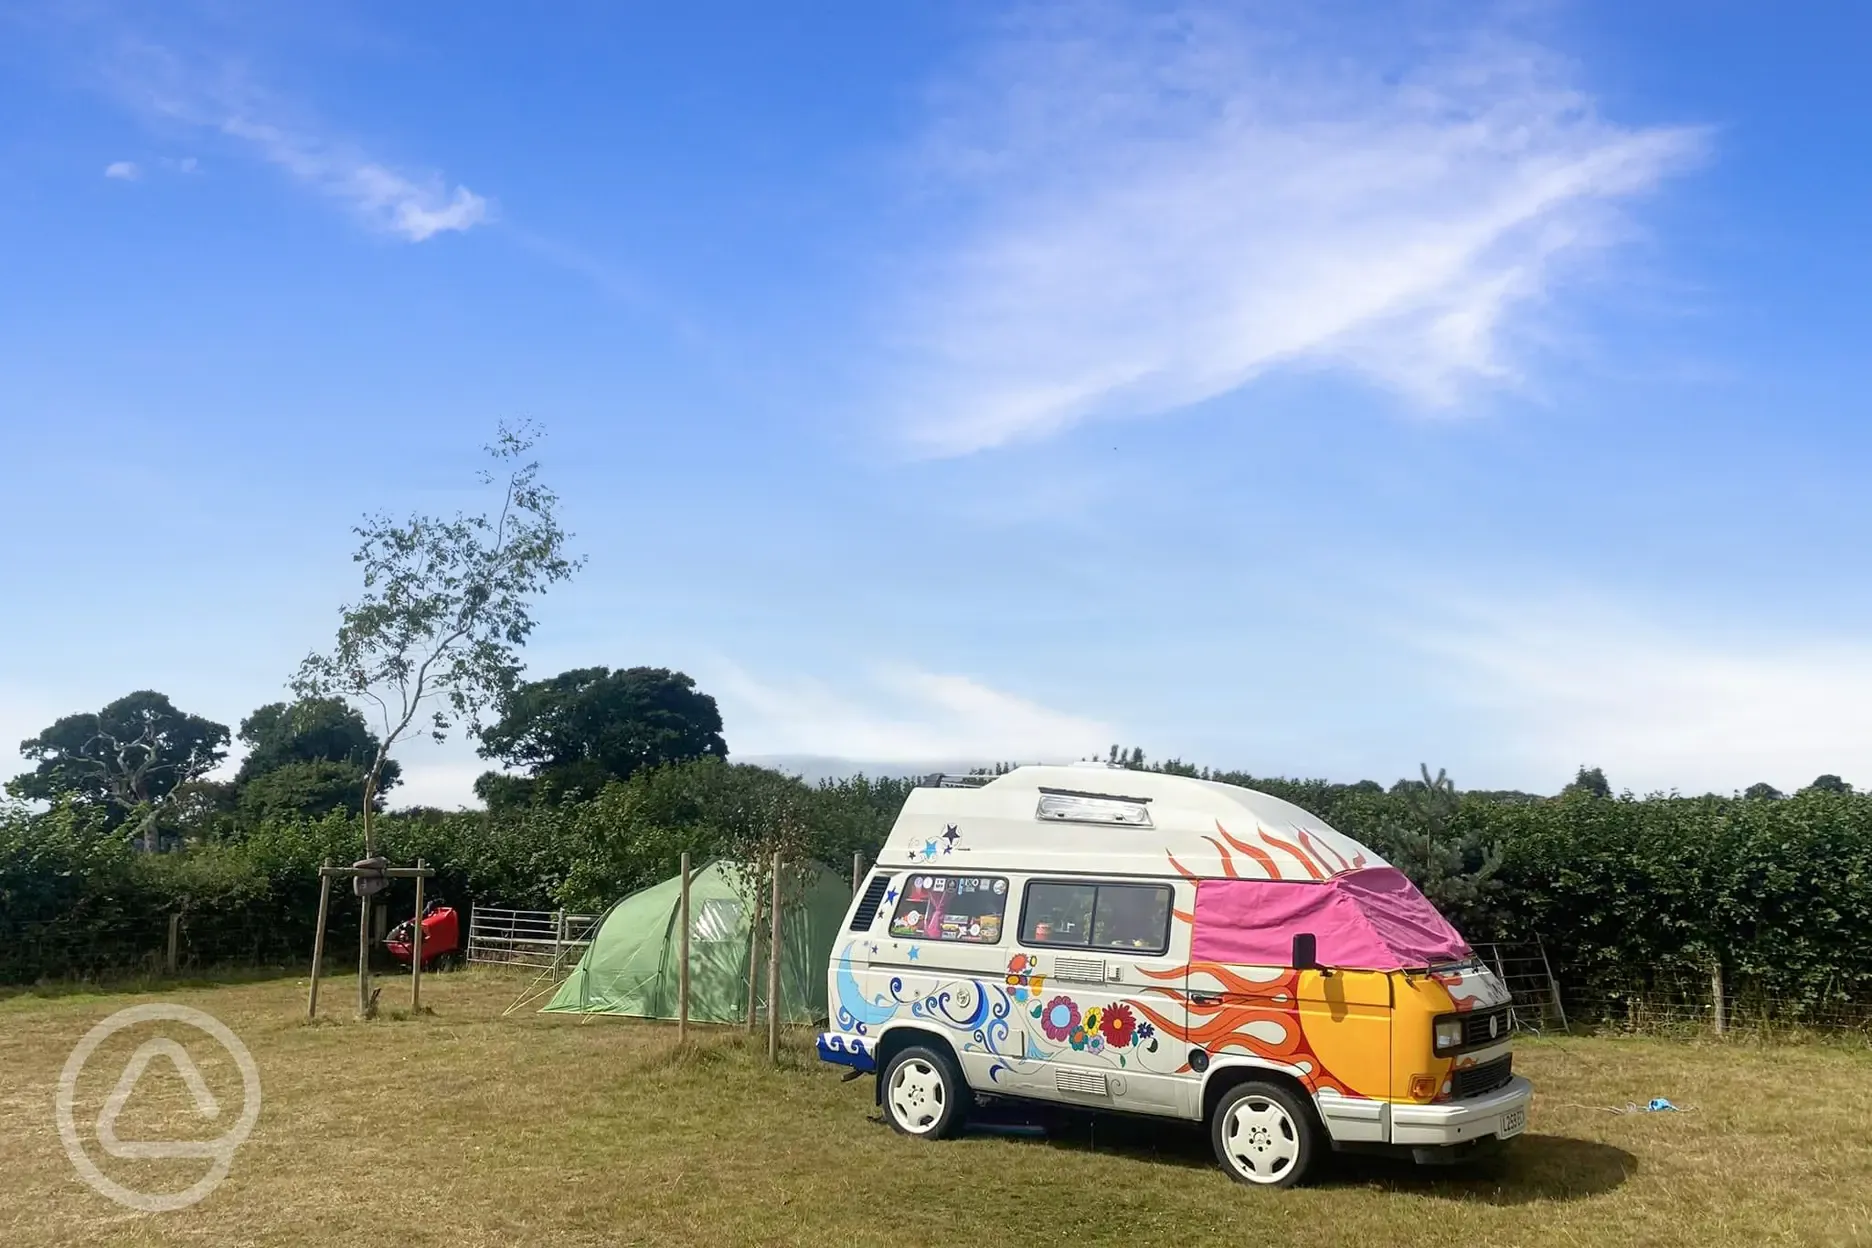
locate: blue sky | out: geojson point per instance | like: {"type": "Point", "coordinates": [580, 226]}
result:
{"type": "Point", "coordinates": [1309, 394]}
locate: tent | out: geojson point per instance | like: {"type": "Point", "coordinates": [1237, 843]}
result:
{"type": "Point", "coordinates": [631, 966]}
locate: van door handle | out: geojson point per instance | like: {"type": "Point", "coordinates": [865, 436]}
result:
{"type": "Point", "coordinates": [1205, 998]}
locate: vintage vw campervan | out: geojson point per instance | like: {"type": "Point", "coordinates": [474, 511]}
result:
{"type": "Point", "coordinates": [1160, 945]}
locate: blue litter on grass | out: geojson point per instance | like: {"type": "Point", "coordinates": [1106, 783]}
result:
{"type": "Point", "coordinates": [1658, 1105]}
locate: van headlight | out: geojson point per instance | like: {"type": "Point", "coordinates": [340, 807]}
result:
{"type": "Point", "coordinates": [1448, 1034]}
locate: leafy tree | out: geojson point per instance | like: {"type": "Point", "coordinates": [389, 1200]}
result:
{"type": "Point", "coordinates": [312, 730]}
{"type": "Point", "coordinates": [1828, 784]}
{"type": "Point", "coordinates": [307, 759]}
{"type": "Point", "coordinates": [1761, 791]}
{"type": "Point", "coordinates": [436, 635]}
{"type": "Point", "coordinates": [583, 729]}
{"type": "Point", "coordinates": [126, 759]}
{"type": "Point", "coordinates": [1590, 782]}
{"type": "Point", "coordinates": [1457, 867]}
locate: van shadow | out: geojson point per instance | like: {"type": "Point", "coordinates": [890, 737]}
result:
{"type": "Point", "coordinates": [1531, 1168]}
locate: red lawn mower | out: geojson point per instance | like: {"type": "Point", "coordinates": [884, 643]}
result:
{"type": "Point", "coordinates": [441, 936]}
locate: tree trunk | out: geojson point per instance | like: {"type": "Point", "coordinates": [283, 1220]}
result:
{"type": "Point", "coordinates": [364, 910]}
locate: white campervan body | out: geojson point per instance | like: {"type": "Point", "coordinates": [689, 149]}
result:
{"type": "Point", "coordinates": [1160, 945]}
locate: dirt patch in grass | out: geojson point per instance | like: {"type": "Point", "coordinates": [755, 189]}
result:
{"type": "Point", "coordinates": [459, 1128]}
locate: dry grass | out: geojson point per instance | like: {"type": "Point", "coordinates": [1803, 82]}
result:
{"type": "Point", "coordinates": [462, 1129]}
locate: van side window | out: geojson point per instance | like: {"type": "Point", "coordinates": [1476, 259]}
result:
{"type": "Point", "coordinates": [1134, 917]}
{"type": "Point", "coordinates": [967, 908]}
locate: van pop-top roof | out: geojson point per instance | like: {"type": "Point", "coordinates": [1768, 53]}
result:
{"type": "Point", "coordinates": [1110, 821]}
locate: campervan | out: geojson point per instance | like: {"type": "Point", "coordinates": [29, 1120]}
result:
{"type": "Point", "coordinates": [1161, 945]}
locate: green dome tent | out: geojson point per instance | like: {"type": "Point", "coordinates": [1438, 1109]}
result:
{"type": "Point", "coordinates": [631, 966]}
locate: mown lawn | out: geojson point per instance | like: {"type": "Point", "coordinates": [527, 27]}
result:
{"type": "Point", "coordinates": [462, 1129]}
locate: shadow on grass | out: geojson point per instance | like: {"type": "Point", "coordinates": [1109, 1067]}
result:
{"type": "Point", "coordinates": [130, 982]}
{"type": "Point", "coordinates": [1530, 1168]}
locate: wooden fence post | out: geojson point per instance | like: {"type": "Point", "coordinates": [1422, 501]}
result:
{"type": "Point", "coordinates": [682, 968]}
{"type": "Point", "coordinates": [175, 942]}
{"type": "Point", "coordinates": [416, 942]}
{"type": "Point", "coordinates": [773, 970]}
{"type": "Point", "coordinates": [857, 869]}
{"type": "Point", "coordinates": [1716, 995]}
{"type": "Point", "coordinates": [318, 940]}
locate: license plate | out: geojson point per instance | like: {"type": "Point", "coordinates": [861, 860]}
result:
{"type": "Point", "coordinates": [1512, 1123]}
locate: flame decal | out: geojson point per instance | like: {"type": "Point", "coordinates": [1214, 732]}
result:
{"type": "Point", "coordinates": [1305, 859]}
{"type": "Point", "coordinates": [1260, 855]}
{"type": "Point", "coordinates": [1247, 1018]}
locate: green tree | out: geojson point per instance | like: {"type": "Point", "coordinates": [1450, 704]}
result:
{"type": "Point", "coordinates": [1590, 782]}
{"type": "Point", "coordinates": [125, 760]}
{"type": "Point", "coordinates": [1457, 866]}
{"type": "Point", "coordinates": [1761, 791]}
{"type": "Point", "coordinates": [436, 635]}
{"type": "Point", "coordinates": [1828, 784]}
{"type": "Point", "coordinates": [580, 730]}
{"type": "Point", "coordinates": [308, 758]}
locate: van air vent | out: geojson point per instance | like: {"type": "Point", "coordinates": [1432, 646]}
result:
{"type": "Point", "coordinates": [866, 914]}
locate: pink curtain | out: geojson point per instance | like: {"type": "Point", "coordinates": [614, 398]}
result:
{"type": "Point", "coordinates": [1372, 919]}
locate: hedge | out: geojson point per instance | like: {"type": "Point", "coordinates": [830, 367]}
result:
{"type": "Point", "coordinates": [1627, 894]}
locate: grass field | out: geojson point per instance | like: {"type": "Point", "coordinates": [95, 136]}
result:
{"type": "Point", "coordinates": [460, 1129]}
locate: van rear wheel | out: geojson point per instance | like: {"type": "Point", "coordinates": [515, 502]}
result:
{"type": "Point", "coordinates": [1263, 1135]}
{"type": "Point", "coordinates": [924, 1094]}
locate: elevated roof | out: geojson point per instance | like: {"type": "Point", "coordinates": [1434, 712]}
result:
{"type": "Point", "coordinates": [1172, 825]}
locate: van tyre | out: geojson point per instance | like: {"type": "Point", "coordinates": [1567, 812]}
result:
{"type": "Point", "coordinates": [924, 1094]}
{"type": "Point", "coordinates": [1264, 1135]}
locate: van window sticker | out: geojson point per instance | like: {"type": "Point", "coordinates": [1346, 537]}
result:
{"type": "Point", "coordinates": [967, 909]}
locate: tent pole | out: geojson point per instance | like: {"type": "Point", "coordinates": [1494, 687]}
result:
{"type": "Point", "coordinates": [753, 957]}
{"type": "Point", "coordinates": [682, 970]}
{"type": "Point", "coordinates": [773, 970]}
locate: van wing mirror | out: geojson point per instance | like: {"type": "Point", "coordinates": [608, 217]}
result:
{"type": "Point", "coordinates": [1306, 952]}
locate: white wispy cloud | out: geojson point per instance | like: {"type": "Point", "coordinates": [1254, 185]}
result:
{"type": "Point", "coordinates": [1157, 208]}
{"type": "Point", "coordinates": [1561, 682]}
{"type": "Point", "coordinates": [208, 94]}
{"type": "Point", "coordinates": [123, 170]}
{"type": "Point", "coordinates": [896, 713]}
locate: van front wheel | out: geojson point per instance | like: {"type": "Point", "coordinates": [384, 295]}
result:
{"type": "Point", "coordinates": [1263, 1135]}
{"type": "Point", "coordinates": [924, 1094]}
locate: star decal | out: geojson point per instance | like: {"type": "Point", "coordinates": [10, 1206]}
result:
{"type": "Point", "coordinates": [890, 894]}
{"type": "Point", "coordinates": [913, 953]}
{"type": "Point", "coordinates": [951, 835]}
{"type": "Point", "coordinates": [929, 850]}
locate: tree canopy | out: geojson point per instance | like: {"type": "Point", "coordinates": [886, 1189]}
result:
{"type": "Point", "coordinates": [308, 757]}
{"type": "Point", "coordinates": [125, 759]}
{"type": "Point", "coordinates": [578, 731]}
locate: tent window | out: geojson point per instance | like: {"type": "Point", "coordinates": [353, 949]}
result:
{"type": "Point", "coordinates": [967, 908]}
{"type": "Point", "coordinates": [718, 919]}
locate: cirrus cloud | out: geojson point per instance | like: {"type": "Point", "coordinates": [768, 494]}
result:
{"type": "Point", "coordinates": [1156, 209]}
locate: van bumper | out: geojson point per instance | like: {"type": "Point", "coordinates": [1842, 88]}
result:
{"type": "Point", "coordinates": [843, 1050]}
{"type": "Point", "coordinates": [1499, 1114]}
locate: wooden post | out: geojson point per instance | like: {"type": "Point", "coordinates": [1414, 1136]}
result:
{"type": "Point", "coordinates": [558, 938]}
{"type": "Point", "coordinates": [682, 965]}
{"type": "Point", "coordinates": [415, 983]}
{"type": "Point", "coordinates": [175, 942]}
{"type": "Point", "coordinates": [773, 970]}
{"type": "Point", "coordinates": [1716, 995]}
{"type": "Point", "coordinates": [318, 940]}
{"type": "Point", "coordinates": [363, 957]}
{"type": "Point", "coordinates": [857, 869]}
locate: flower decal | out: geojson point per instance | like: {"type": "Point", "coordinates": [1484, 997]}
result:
{"type": "Point", "coordinates": [1118, 1025]}
{"type": "Point", "coordinates": [1022, 982]}
{"type": "Point", "coordinates": [1060, 1018]}
{"type": "Point", "coordinates": [1091, 1018]}
{"type": "Point", "coordinates": [1143, 1033]}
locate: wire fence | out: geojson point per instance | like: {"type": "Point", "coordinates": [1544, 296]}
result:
{"type": "Point", "coordinates": [1548, 995]}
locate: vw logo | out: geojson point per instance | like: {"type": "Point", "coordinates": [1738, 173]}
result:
{"type": "Point", "coordinates": [1494, 1025]}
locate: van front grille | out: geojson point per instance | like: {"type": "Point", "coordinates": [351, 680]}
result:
{"type": "Point", "coordinates": [1476, 1027]}
{"type": "Point", "coordinates": [1483, 1079]}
